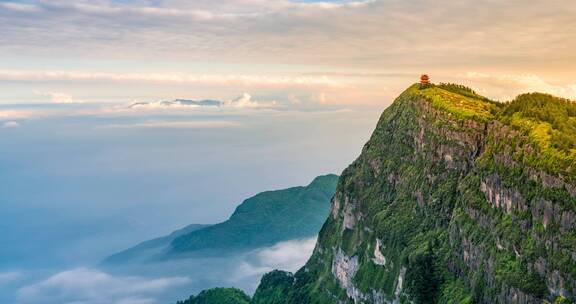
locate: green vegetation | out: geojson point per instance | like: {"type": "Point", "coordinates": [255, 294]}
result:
{"type": "Point", "coordinates": [468, 200]}
{"type": "Point", "coordinates": [274, 288]}
{"type": "Point", "coordinates": [218, 296]}
{"type": "Point", "coordinates": [550, 124]}
{"type": "Point", "coordinates": [267, 218]}
{"type": "Point", "coordinates": [463, 90]}
{"type": "Point", "coordinates": [458, 100]}
{"type": "Point", "coordinates": [423, 278]}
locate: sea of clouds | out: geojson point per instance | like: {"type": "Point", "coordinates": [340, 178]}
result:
{"type": "Point", "coordinates": [162, 282]}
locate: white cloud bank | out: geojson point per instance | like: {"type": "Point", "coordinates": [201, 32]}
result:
{"type": "Point", "coordinates": [58, 97]}
{"type": "Point", "coordinates": [289, 255]}
{"type": "Point", "coordinates": [91, 286]}
{"type": "Point", "coordinates": [244, 101]}
{"type": "Point", "coordinates": [10, 125]}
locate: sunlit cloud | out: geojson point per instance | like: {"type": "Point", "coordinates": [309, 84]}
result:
{"type": "Point", "coordinates": [238, 80]}
{"type": "Point", "coordinates": [321, 98]}
{"type": "Point", "coordinates": [162, 114]}
{"type": "Point", "coordinates": [507, 86]}
{"type": "Point", "coordinates": [363, 52]}
{"type": "Point", "coordinates": [244, 101]}
{"type": "Point", "coordinates": [15, 114]}
{"type": "Point", "coordinates": [372, 34]}
{"type": "Point", "coordinates": [172, 125]}
{"type": "Point", "coordinates": [58, 97]}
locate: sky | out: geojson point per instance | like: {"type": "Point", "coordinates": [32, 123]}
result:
{"type": "Point", "coordinates": [337, 52]}
{"type": "Point", "coordinates": [105, 140]}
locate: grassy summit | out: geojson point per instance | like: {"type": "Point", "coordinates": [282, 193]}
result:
{"type": "Point", "coordinates": [548, 122]}
{"type": "Point", "coordinates": [458, 100]}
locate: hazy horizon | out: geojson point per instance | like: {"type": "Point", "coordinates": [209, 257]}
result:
{"type": "Point", "coordinates": [79, 188]}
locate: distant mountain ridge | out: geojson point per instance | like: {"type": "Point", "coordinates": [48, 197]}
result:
{"type": "Point", "coordinates": [262, 220]}
{"type": "Point", "coordinates": [178, 102]}
{"type": "Point", "coordinates": [150, 247]}
{"type": "Point", "coordinates": [267, 218]}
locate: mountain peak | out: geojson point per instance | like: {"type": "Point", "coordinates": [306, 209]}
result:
{"type": "Point", "coordinates": [323, 180]}
{"type": "Point", "coordinates": [466, 200]}
{"type": "Point", "coordinates": [290, 213]}
{"type": "Point", "coordinates": [287, 214]}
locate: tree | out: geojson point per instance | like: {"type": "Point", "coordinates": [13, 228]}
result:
{"type": "Point", "coordinates": [422, 279]}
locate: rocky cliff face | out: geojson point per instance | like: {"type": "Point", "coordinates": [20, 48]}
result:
{"type": "Point", "coordinates": [455, 199]}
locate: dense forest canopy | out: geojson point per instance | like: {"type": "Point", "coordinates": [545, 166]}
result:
{"type": "Point", "coordinates": [558, 113]}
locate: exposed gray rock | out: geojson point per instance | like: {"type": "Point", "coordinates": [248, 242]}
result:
{"type": "Point", "coordinates": [335, 207]}
{"type": "Point", "coordinates": [344, 269]}
{"type": "Point", "coordinates": [350, 219]}
{"type": "Point", "coordinates": [500, 196]}
{"type": "Point", "coordinates": [399, 285]}
{"type": "Point", "coordinates": [567, 221]}
{"type": "Point", "coordinates": [379, 258]}
{"type": "Point", "coordinates": [515, 296]}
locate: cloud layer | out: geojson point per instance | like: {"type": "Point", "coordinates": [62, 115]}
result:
{"type": "Point", "coordinates": [507, 86]}
{"type": "Point", "coordinates": [155, 124]}
{"type": "Point", "coordinates": [386, 33]}
{"type": "Point", "coordinates": [91, 286]}
{"type": "Point", "coordinates": [154, 282]}
{"type": "Point", "coordinates": [10, 125]}
{"type": "Point", "coordinates": [237, 80]}
{"type": "Point", "coordinates": [244, 101]}
{"type": "Point", "coordinates": [57, 97]}
{"type": "Point", "coordinates": [338, 51]}
{"type": "Point", "coordinates": [289, 255]}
